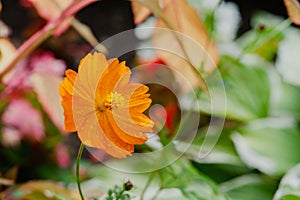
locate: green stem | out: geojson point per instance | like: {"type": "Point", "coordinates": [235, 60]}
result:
{"type": "Point", "coordinates": [147, 185]}
{"type": "Point", "coordinates": [185, 118]}
{"type": "Point", "coordinates": [160, 186]}
{"type": "Point", "coordinates": [156, 194]}
{"type": "Point", "coordinates": [77, 169]}
{"type": "Point", "coordinates": [120, 194]}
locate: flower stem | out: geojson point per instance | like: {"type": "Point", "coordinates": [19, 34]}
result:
{"type": "Point", "coordinates": [147, 185]}
{"type": "Point", "coordinates": [120, 194]}
{"type": "Point", "coordinates": [77, 169]}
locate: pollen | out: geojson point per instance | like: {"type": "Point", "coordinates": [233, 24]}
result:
{"type": "Point", "coordinates": [114, 100]}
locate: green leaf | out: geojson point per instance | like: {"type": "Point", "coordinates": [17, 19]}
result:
{"type": "Point", "coordinates": [177, 181]}
{"type": "Point", "coordinates": [287, 62]}
{"type": "Point", "coordinates": [270, 145]}
{"type": "Point", "coordinates": [264, 39]}
{"type": "Point", "coordinates": [222, 162]}
{"type": "Point", "coordinates": [289, 187]}
{"type": "Point", "coordinates": [248, 187]}
{"type": "Point", "coordinates": [247, 92]}
{"type": "Point", "coordinates": [192, 183]}
{"type": "Point", "coordinates": [290, 197]}
{"type": "Point", "coordinates": [223, 151]}
{"type": "Point", "coordinates": [286, 101]}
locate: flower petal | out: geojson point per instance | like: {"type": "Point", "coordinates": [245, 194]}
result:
{"type": "Point", "coordinates": [69, 124]}
{"type": "Point", "coordinates": [132, 136]}
{"type": "Point", "coordinates": [131, 90]}
{"type": "Point", "coordinates": [137, 100]}
{"type": "Point", "coordinates": [114, 74]}
{"type": "Point", "coordinates": [131, 117]}
{"type": "Point", "coordinates": [141, 120]}
{"type": "Point", "coordinates": [66, 91]}
{"type": "Point", "coordinates": [128, 125]}
{"type": "Point", "coordinates": [111, 134]}
{"type": "Point", "coordinates": [68, 83]}
{"type": "Point", "coordinates": [90, 71]}
{"type": "Point", "coordinates": [92, 134]}
{"type": "Point", "coordinates": [139, 105]}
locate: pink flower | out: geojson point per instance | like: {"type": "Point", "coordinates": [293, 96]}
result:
{"type": "Point", "coordinates": [62, 155]}
{"type": "Point", "coordinates": [11, 137]}
{"type": "Point", "coordinates": [17, 81]}
{"type": "Point", "coordinates": [21, 117]}
{"type": "Point", "coordinates": [43, 63]}
{"type": "Point", "coordinates": [42, 73]}
{"type": "Point", "coordinates": [46, 63]}
{"type": "Point", "coordinates": [47, 73]}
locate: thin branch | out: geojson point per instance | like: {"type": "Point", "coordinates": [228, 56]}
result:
{"type": "Point", "coordinates": [27, 47]}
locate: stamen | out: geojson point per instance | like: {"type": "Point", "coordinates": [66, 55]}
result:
{"type": "Point", "coordinates": [113, 100]}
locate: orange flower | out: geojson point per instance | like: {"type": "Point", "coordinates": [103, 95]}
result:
{"type": "Point", "coordinates": [103, 107]}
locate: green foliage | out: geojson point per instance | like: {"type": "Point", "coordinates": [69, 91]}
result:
{"type": "Point", "coordinates": [287, 104]}
{"type": "Point", "coordinates": [272, 156]}
{"type": "Point", "coordinates": [255, 155]}
{"type": "Point", "coordinates": [289, 186]}
{"type": "Point", "coordinates": [247, 91]}
{"type": "Point", "coordinates": [119, 192]}
{"type": "Point", "coordinates": [290, 197]}
{"type": "Point", "coordinates": [253, 189]}
{"type": "Point", "coordinates": [265, 37]}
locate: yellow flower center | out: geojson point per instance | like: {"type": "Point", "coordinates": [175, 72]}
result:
{"type": "Point", "coordinates": [113, 100]}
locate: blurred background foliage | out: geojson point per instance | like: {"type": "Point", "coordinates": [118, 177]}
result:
{"type": "Point", "coordinates": [257, 154]}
